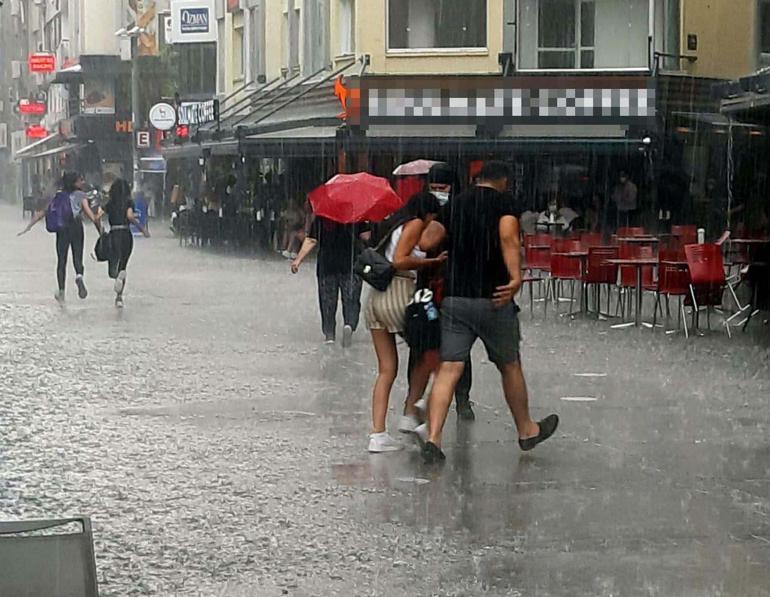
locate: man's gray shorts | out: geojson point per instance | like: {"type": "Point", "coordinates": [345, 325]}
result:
{"type": "Point", "coordinates": [464, 320]}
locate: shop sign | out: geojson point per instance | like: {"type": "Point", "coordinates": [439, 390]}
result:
{"type": "Point", "coordinates": [503, 100]}
{"type": "Point", "coordinates": [42, 62]}
{"type": "Point", "coordinates": [36, 132]}
{"type": "Point", "coordinates": [27, 106]}
{"type": "Point", "coordinates": [124, 126]}
{"type": "Point", "coordinates": [193, 21]}
{"type": "Point", "coordinates": [197, 113]}
{"type": "Point", "coordinates": [143, 139]}
{"type": "Point", "coordinates": [163, 116]}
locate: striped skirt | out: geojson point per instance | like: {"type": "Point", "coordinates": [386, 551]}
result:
{"type": "Point", "coordinates": [387, 310]}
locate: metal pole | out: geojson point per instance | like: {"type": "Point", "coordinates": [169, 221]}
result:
{"type": "Point", "coordinates": [134, 109]}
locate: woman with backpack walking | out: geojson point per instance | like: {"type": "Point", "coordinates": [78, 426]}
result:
{"type": "Point", "coordinates": [386, 313]}
{"type": "Point", "coordinates": [64, 216]}
{"type": "Point", "coordinates": [120, 243]}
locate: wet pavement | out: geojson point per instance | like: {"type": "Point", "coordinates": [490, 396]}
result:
{"type": "Point", "coordinates": [220, 448]}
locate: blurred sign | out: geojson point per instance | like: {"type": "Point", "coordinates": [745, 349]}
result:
{"type": "Point", "coordinates": [99, 96]}
{"type": "Point", "coordinates": [42, 63]}
{"type": "Point", "coordinates": [143, 139]}
{"type": "Point", "coordinates": [193, 21]}
{"type": "Point", "coordinates": [233, 5]}
{"type": "Point", "coordinates": [3, 135]}
{"type": "Point", "coordinates": [163, 116]}
{"type": "Point", "coordinates": [124, 126]}
{"type": "Point", "coordinates": [27, 106]}
{"type": "Point", "coordinates": [198, 112]}
{"type": "Point", "coordinates": [145, 13]}
{"type": "Point", "coordinates": [36, 132]}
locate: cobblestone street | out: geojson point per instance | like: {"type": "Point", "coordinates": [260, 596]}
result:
{"type": "Point", "coordinates": [219, 447]}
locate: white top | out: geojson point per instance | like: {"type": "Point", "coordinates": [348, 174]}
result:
{"type": "Point", "coordinates": [390, 252]}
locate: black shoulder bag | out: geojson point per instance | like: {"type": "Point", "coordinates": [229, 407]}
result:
{"type": "Point", "coordinates": [373, 268]}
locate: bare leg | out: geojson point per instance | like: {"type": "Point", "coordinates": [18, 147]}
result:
{"type": "Point", "coordinates": [418, 380]}
{"type": "Point", "coordinates": [515, 389]}
{"type": "Point", "coordinates": [387, 364]}
{"type": "Point", "coordinates": [449, 373]}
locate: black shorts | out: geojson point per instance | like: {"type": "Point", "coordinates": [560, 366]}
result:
{"type": "Point", "coordinates": [465, 320]}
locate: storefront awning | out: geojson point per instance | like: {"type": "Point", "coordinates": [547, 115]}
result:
{"type": "Point", "coordinates": [35, 147]}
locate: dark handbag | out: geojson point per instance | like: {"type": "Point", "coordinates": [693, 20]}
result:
{"type": "Point", "coordinates": [373, 267]}
{"type": "Point", "coordinates": [102, 248]}
{"type": "Point", "coordinates": [422, 331]}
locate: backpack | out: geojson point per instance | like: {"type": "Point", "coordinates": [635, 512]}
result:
{"type": "Point", "coordinates": [59, 213]}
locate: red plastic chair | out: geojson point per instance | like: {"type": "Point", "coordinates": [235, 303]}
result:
{"type": "Point", "coordinates": [536, 258]}
{"type": "Point", "coordinates": [599, 272]}
{"type": "Point", "coordinates": [591, 239]}
{"type": "Point", "coordinates": [708, 282]}
{"type": "Point", "coordinates": [673, 280]}
{"type": "Point", "coordinates": [630, 231]}
{"type": "Point", "coordinates": [537, 262]}
{"type": "Point", "coordinates": [564, 268]}
{"type": "Point", "coordinates": [687, 234]}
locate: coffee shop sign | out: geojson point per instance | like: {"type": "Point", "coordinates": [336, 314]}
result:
{"type": "Point", "coordinates": [196, 113]}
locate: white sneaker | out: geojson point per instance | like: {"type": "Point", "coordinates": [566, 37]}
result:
{"type": "Point", "coordinates": [422, 404]}
{"type": "Point", "coordinates": [120, 282]}
{"type": "Point", "coordinates": [382, 442]}
{"type": "Point", "coordinates": [408, 423]}
{"type": "Point", "coordinates": [286, 255]}
{"type": "Point", "coordinates": [119, 301]}
{"type": "Point", "coordinates": [347, 336]}
{"type": "Point", "coordinates": [422, 432]}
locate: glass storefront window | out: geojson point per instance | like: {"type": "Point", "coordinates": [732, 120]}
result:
{"type": "Point", "coordinates": [583, 34]}
{"type": "Point", "coordinates": [432, 24]}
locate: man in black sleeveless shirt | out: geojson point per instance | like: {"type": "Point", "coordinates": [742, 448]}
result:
{"type": "Point", "coordinates": [480, 229]}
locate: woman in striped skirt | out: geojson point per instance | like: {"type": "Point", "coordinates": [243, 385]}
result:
{"type": "Point", "coordinates": [386, 311]}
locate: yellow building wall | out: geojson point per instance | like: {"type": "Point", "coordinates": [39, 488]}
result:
{"type": "Point", "coordinates": [727, 37]}
{"type": "Point", "coordinates": [371, 37]}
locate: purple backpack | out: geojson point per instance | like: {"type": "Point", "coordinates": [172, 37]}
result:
{"type": "Point", "coordinates": [59, 213]}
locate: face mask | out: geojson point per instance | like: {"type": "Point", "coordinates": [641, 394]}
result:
{"type": "Point", "coordinates": [443, 198]}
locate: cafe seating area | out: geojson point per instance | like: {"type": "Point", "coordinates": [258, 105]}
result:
{"type": "Point", "coordinates": [608, 278]}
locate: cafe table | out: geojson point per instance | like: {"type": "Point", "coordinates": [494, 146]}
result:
{"type": "Point", "coordinates": [638, 263]}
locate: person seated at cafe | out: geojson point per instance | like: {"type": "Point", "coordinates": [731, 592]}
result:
{"type": "Point", "coordinates": [555, 217]}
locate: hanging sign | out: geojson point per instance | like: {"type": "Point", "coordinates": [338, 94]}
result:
{"type": "Point", "coordinates": [36, 132]}
{"type": "Point", "coordinates": [193, 21]}
{"type": "Point", "coordinates": [197, 113]}
{"type": "Point", "coordinates": [143, 139]}
{"type": "Point", "coordinates": [27, 106]}
{"type": "Point", "coordinates": [42, 62]}
{"type": "Point", "coordinates": [163, 116]}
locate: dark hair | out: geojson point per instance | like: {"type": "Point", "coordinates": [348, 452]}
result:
{"type": "Point", "coordinates": [495, 170]}
{"type": "Point", "coordinates": [120, 190]}
{"type": "Point", "coordinates": [420, 205]}
{"type": "Point", "coordinates": [442, 173]}
{"type": "Point", "coordinates": [68, 181]}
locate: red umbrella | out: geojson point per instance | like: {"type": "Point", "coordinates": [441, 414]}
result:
{"type": "Point", "coordinates": [351, 198]}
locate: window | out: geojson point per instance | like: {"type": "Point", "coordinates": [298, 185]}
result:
{"type": "Point", "coordinates": [764, 28]}
{"type": "Point", "coordinates": [431, 24]}
{"type": "Point", "coordinates": [257, 39]}
{"type": "Point", "coordinates": [583, 34]}
{"type": "Point", "coordinates": [561, 42]}
{"type": "Point", "coordinates": [291, 15]}
{"type": "Point", "coordinates": [347, 27]}
{"type": "Point", "coordinates": [239, 71]}
{"type": "Point", "coordinates": [315, 51]}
